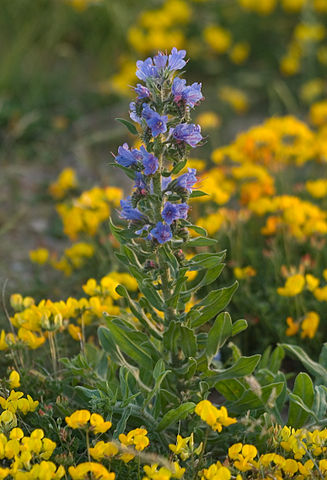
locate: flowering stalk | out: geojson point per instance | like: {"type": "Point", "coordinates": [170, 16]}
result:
{"type": "Point", "coordinates": [157, 210]}
{"type": "Point", "coordinates": [168, 352]}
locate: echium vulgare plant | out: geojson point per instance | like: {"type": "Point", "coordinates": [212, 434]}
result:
{"type": "Point", "coordinates": [167, 341]}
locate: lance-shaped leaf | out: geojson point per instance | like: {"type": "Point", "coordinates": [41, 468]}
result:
{"type": "Point", "coordinates": [218, 334]}
{"type": "Point", "coordinates": [299, 411]}
{"type": "Point", "coordinates": [243, 366]}
{"type": "Point", "coordinates": [213, 303]}
{"type": "Point", "coordinates": [200, 242]}
{"type": "Point", "coordinates": [174, 415]}
{"type": "Point", "coordinates": [129, 125]}
{"type": "Point", "coordinates": [314, 368]}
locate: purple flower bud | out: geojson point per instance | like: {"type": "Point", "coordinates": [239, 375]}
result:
{"type": "Point", "coordinates": [165, 181]}
{"type": "Point", "coordinates": [132, 113]}
{"type": "Point", "coordinates": [175, 59]}
{"type": "Point", "coordinates": [150, 162]}
{"type": "Point", "coordinates": [128, 212]}
{"type": "Point", "coordinates": [187, 180]}
{"type": "Point", "coordinates": [182, 210]}
{"type": "Point", "coordinates": [142, 91]}
{"type": "Point", "coordinates": [157, 123]}
{"type": "Point", "coordinates": [139, 181]}
{"type": "Point", "coordinates": [188, 132]}
{"type": "Point", "coordinates": [160, 60]}
{"type": "Point", "coordinates": [125, 157]}
{"type": "Point", "coordinates": [178, 88]}
{"type": "Point", "coordinates": [161, 232]}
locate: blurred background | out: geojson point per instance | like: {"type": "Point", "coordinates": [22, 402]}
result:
{"type": "Point", "coordinates": [67, 67]}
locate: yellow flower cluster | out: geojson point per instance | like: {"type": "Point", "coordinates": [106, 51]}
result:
{"type": "Point", "coordinates": [84, 419]}
{"type": "Point", "coordinates": [163, 473]}
{"type": "Point", "coordinates": [302, 455]}
{"type": "Point", "coordinates": [305, 35]}
{"type": "Point", "coordinates": [34, 321]}
{"type": "Point", "coordinates": [93, 469]}
{"type": "Point", "coordinates": [73, 258]}
{"type": "Point", "coordinates": [235, 98]}
{"type": "Point", "coordinates": [85, 213]}
{"type": "Point", "coordinates": [27, 457]}
{"type": "Point", "coordinates": [214, 417]}
{"type": "Point", "coordinates": [247, 170]}
{"type": "Point", "coordinates": [160, 29]}
{"type": "Point", "coordinates": [16, 402]}
{"type": "Point", "coordinates": [66, 182]}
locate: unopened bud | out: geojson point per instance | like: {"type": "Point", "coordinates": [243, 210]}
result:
{"type": "Point", "coordinates": [150, 265]}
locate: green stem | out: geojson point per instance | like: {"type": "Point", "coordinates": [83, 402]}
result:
{"type": "Point", "coordinates": [87, 436]}
{"type": "Point", "coordinates": [164, 270]}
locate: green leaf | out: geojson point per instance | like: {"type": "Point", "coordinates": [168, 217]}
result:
{"type": "Point", "coordinates": [200, 242]}
{"type": "Point", "coordinates": [200, 230]}
{"type": "Point", "coordinates": [179, 337]}
{"type": "Point", "coordinates": [174, 415]}
{"type": "Point", "coordinates": [198, 193]}
{"type": "Point", "coordinates": [239, 326]}
{"type": "Point", "coordinates": [130, 344]}
{"type": "Point", "coordinates": [320, 402]}
{"type": "Point", "coordinates": [314, 368]}
{"type": "Point", "coordinates": [243, 366]}
{"type": "Point", "coordinates": [276, 359]}
{"type": "Point", "coordinates": [129, 125]}
{"type": "Point", "coordinates": [303, 388]}
{"type": "Point", "coordinates": [323, 356]}
{"type": "Point", "coordinates": [257, 400]}
{"type": "Point", "coordinates": [213, 303]}
{"type": "Point", "coordinates": [218, 334]}
{"type": "Point", "coordinates": [231, 389]}
{"type": "Point", "coordinates": [178, 167]}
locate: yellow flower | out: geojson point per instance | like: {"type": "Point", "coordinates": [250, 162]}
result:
{"type": "Point", "coordinates": [235, 98]}
{"type": "Point", "coordinates": [293, 327]}
{"type": "Point", "coordinates": [66, 181]}
{"type": "Point", "coordinates": [208, 120]}
{"type": "Point", "coordinates": [103, 450]}
{"type": "Point", "coordinates": [14, 379]}
{"type": "Point", "coordinates": [3, 343]}
{"type": "Point", "coordinates": [78, 419]}
{"type": "Point", "coordinates": [81, 471]}
{"type": "Point", "coordinates": [290, 467]}
{"type": "Point", "coordinates": [8, 420]}
{"type": "Point", "coordinates": [30, 339]}
{"type": "Point", "coordinates": [212, 416]}
{"type": "Point", "coordinates": [216, 472]}
{"type": "Point", "coordinates": [40, 256]}
{"type": "Point", "coordinates": [75, 332]}
{"type": "Point", "coordinates": [137, 437]}
{"type": "Point", "coordinates": [98, 425]}
{"type": "Point", "coordinates": [311, 282]}
{"type": "Point", "coordinates": [293, 286]}
{"type": "Point", "coordinates": [245, 272]}
{"type": "Point", "coordinates": [318, 113]}
{"type": "Point", "coordinates": [317, 188]}
{"type": "Point", "coordinates": [321, 294]}
{"type": "Point", "coordinates": [239, 53]}
{"type": "Point", "coordinates": [309, 325]}
{"type": "Point", "coordinates": [218, 38]}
